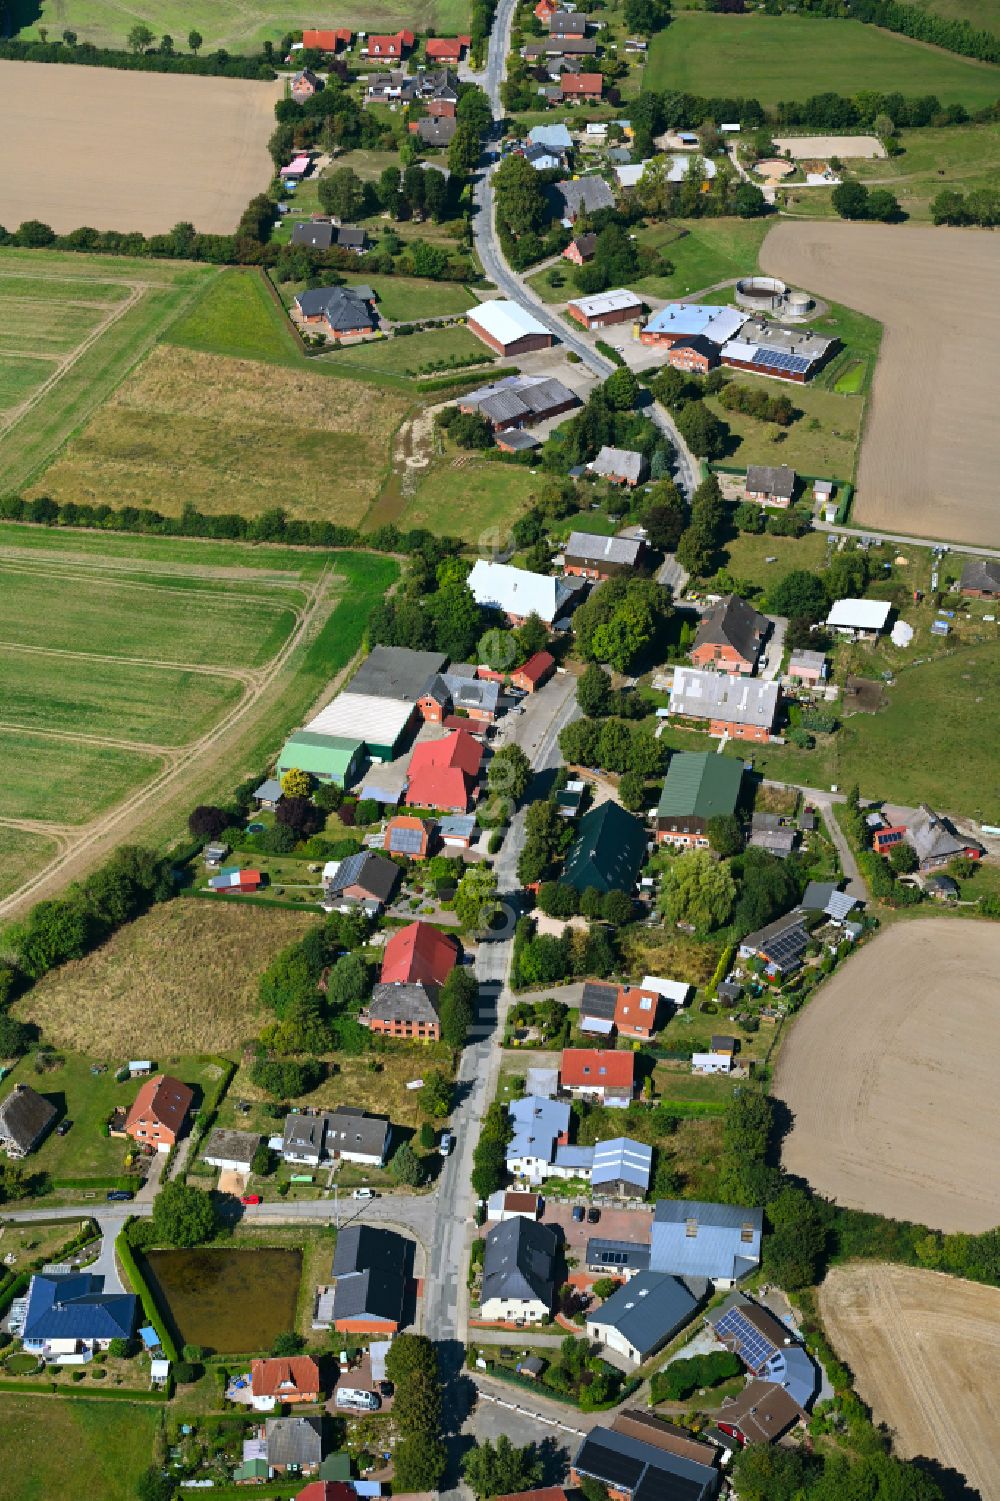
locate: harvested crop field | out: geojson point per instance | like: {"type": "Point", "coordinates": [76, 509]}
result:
{"type": "Point", "coordinates": [925, 1352]}
{"type": "Point", "coordinates": [889, 1074]}
{"type": "Point", "coordinates": [931, 450]}
{"type": "Point", "coordinates": [182, 979]}
{"type": "Point", "coordinates": [229, 435]}
{"type": "Point", "coordinates": [125, 151]}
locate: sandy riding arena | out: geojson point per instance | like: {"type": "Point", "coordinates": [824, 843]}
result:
{"type": "Point", "coordinates": [931, 451]}
{"type": "Point", "coordinates": [890, 1077]}
{"type": "Point", "coordinates": [925, 1352]}
{"type": "Point", "coordinates": [131, 150]}
{"type": "Point", "coordinates": [803, 147]}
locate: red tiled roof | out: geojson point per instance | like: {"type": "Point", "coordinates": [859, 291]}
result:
{"type": "Point", "coordinates": [445, 47]}
{"type": "Point", "coordinates": [442, 772]}
{"type": "Point", "coordinates": [327, 1490]}
{"type": "Point", "coordinates": [629, 1012]}
{"type": "Point", "coordinates": [271, 1377]}
{"type": "Point", "coordinates": [547, 1493]}
{"type": "Point", "coordinates": [581, 83]}
{"type": "Point", "coordinates": [327, 41]}
{"type": "Point", "coordinates": [601, 1067]}
{"type": "Point", "coordinates": [163, 1099]}
{"type": "Point", "coordinates": [419, 954]}
{"type": "Point", "coordinates": [537, 666]}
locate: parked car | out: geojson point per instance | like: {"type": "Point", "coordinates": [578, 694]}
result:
{"type": "Point", "coordinates": [364, 1193]}
{"type": "Point", "coordinates": [593, 1215]}
{"type": "Point", "coordinates": [251, 1199]}
{"type": "Point", "coordinates": [357, 1398]}
{"type": "Point", "coordinates": [446, 1144]}
{"type": "Point", "coordinates": [63, 1127]}
{"type": "Point", "coordinates": [119, 1195]}
{"type": "Point", "coordinates": [578, 1213]}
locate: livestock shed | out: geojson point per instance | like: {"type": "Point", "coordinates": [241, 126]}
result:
{"type": "Point", "coordinates": [605, 308]}
{"type": "Point", "coordinates": [507, 328]}
{"type": "Point", "coordinates": [327, 757]}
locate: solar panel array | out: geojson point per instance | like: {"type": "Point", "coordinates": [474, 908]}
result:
{"type": "Point", "coordinates": [787, 947]}
{"type": "Point", "coordinates": [406, 841]}
{"type": "Point", "coordinates": [777, 359]}
{"type": "Point", "coordinates": [752, 1347]}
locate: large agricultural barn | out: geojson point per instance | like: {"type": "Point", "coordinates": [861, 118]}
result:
{"type": "Point", "coordinates": [508, 328]}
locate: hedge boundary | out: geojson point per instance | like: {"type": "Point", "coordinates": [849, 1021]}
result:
{"type": "Point", "coordinates": [142, 1290]}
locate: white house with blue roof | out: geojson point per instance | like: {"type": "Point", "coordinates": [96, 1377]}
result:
{"type": "Point", "coordinates": [717, 1241]}
{"type": "Point", "coordinates": [540, 1126]}
{"type": "Point", "coordinates": [69, 1315]}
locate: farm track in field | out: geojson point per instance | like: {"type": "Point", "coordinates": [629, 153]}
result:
{"type": "Point", "coordinates": [245, 675]}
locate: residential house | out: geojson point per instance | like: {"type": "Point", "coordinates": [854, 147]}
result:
{"type": "Point", "coordinates": [445, 773]}
{"type": "Point", "coordinates": [936, 840]}
{"type": "Point", "coordinates": [327, 41]}
{"type": "Point", "coordinates": [544, 9]}
{"type": "Point", "coordinates": [770, 484]}
{"type": "Point", "coordinates": [885, 837]}
{"type": "Point", "coordinates": [592, 557]}
{"type": "Point", "coordinates": [597, 1007]}
{"type": "Point", "coordinates": [767, 832]}
{"type": "Point", "coordinates": [583, 195]}
{"type": "Point", "coordinates": [542, 158]}
{"type": "Point", "coordinates": [294, 1445]}
{"type": "Point", "coordinates": [980, 579]}
{"type": "Point", "coordinates": [315, 234]}
{"type": "Point", "coordinates": [409, 836]}
{"type": "Point", "coordinates": [761, 1413]}
{"type": "Point", "coordinates": [643, 1315]}
{"type": "Point", "coordinates": [339, 312]}
{"type": "Point", "coordinates": [436, 130]}
{"type": "Point", "coordinates": [556, 137]}
{"type": "Point", "coordinates": [449, 694]}
{"type": "Point", "coordinates": [352, 1135]}
{"type": "Point", "coordinates": [457, 831]}
{"type": "Point", "coordinates": [269, 794]}
{"type": "Point", "coordinates": [507, 328]}
{"type": "Point", "coordinates": [695, 355]}
{"type": "Point", "coordinates": [372, 1268]}
{"type": "Point", "coordinates": [942, 888]}
{"type": "Point", "coordinates": [567, 23]}
{"type": "Point", "coordinates": [292, 1379]}
{"type": "Point", "coordinates": [581, 250]}
{"type": "Point", "coordinates": [158, 1112]}
{"type": "Point", "coordinates": [608, 851]}
{"type": "Point", "coordinates": [365, 878]}
{"type": "Point", "coordinates": [631, 1469]}
{"type": "Point", "coordinates": [234, 878]}
{"type": "Point", "coordinates": [511, 1203]}
{"type": "Point", "coordinates": [780, 946]}
{"type": "Point", "coordinates": [617, 1258]}
{"type": "Point", "coordinates": [636, 1011]}
{"type": "Point", "coordinates": [808, 667]}
{"type": "Point", "coordinates": [561, 49]}
{"type": "Point", "coordinates": [718, 1241]}
{"type": "Point", "coordinates": [698, 787]}
{"type": "Point", "coordinates": [539, 1126]}
{"type": "Point", "coordinates": [604, 309]}
{"type": "Point", "coordinates": [680, 321]}
{"type": "Point", "coordinates": [730, 636]}
{"type": "Point", "coordinates": [792, 354]}
{"type": "Point", "coordinates": [231, 1151]}
{"type": "Point", "coordinates": [402, 1010]}
{"type": "Point", "coordinates": [518, 1284]}
{"type": "Point", "coordinates": [396, 46]}
{"type": "Point", "coordinates": [305, 84]}
{"type": "Point", "coordinates": [303, 1138]}
{"type": "Point", "coordinates": [620, 466]}
{"type": "Point", "coordinates": [352, 237]}
{"type": "Point", "coordinates": [589, 86]}
{"type": "Point", "coordinates": [70, 1314]}
{"type": "Point", "coordinates": [534, 673]}
{"type": "Point", "coordinates": [328, 758]}
{"type": "Point", "coordinates": [859, 619]}
{"type": "Point", "coordinates": [517, 593]}
{"type": "Point", "coordinates": [600, 1074]}
{"type": "Point", "coordinates": [621, 1168]}
{"type": "Point", "coordinates": [766, 1347]}
{"type": "Point", "coordinates": [738, 707]}
{"type": "Point", "coordinates": [419, 954]}
{"type": "Point", "coordinates": [446, 49]}
{"type": "Point", "coordinates": [25, 1117]}
{"type": "Point", "coordinates": [519, 401]}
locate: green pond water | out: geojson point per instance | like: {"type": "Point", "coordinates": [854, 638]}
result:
{"type": "Point", "coordinates": [226, 1300]}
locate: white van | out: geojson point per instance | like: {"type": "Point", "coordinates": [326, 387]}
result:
{"type": "Point", "coordinates": [358, 1399]}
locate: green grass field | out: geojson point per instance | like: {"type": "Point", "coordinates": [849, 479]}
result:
{"type": "Point", "coordinates": [702, 252]}
{"type": "Point", "coordinates": [792, 57]}
{"type": "Point", "coordinates": [88, 289]}
{"type": "Point", "coordinates": [67, 781]}
{"type": "Point", "coordinates": [431, 352]}
{"type": "Point", "coordinates": [478, 501]}
{"type": "Point", "coordinates": [407, 299]}
{"type": "Point", "coordinates": [982, 14]}
{"type": "Point", "coordinates": [20, 854]}
{"type": "Point", "coordinates": [235, 315]}
{"type": "Point", "coordinates": [50, 1445]}
{"type": "Point", "coordinates": [828, 449]}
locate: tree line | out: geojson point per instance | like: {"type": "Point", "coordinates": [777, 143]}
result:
{"type": "Point", "coordinates": [980, 206]}
{"type": "Point", "coordinates": [912, 21]}
{"type": "Point", "coordinates": [218, 64]}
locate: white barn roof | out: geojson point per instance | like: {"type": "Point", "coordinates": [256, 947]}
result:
{"type": "Point", "coordinates": [859, 614]}
{"type": "Point", "coordinates": [506, 321]}
{"type": "Point", "coordinates": [606, 302]}
{"type": "Point", "coordinates": [516, 591]}
{"type": "Point", "coordinates": [362, 716]}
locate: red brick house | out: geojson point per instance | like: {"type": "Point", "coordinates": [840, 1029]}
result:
{"type": "Point", "coordinates": [730, 636]}
{"type": "Point", "coordinates": [295, 1379]}
{"type": "Point", "coordinates": [695, 356]}
{"type": "Point", "coordinates": [588, 86]}
{"type": "Point", "coordinates": [447, 49]}
{"type": "Point", "coordinates": [394, 47]}
{"type": "Point", "coordinates": [444, 773]}
{"type": "Point", "coordinates": [581, 250]}
{"type": "Point", "coordinates": [598, 1073]}
{"type": "Point", "coordinates": [305, 85]}
{"type": "Point", "coordinates": [158, 1112]}
{"type": "Point", "coordinates": [406, 835]}
{"type": "Point", "coordinates": [419, 955]}
{"type": "Point", "coordinates": [531, 675]}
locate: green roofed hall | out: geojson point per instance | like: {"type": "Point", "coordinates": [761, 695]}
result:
{"type": "Point", "coordinates": [699, 785]}
{"type": "Point", "coordinates": [329, 758]}
{"type": "Point", "coordinates": [608, 851]}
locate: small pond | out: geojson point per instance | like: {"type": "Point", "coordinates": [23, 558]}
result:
{"type": "Point", "coordinates": [226, 1300]}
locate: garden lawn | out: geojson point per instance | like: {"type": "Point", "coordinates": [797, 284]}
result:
{"type": "Point", "coordinates": [67, 781]}
{"type": "Point", "coordinates": [746, 554]}
{"type": "Point", "coordinates": [236, 315]}
{"type": "Point", "coordinates": [828, 450]}
{"type": "Point", "coordinates": [21, 854]}
{"type": "Point", "coordinates": [792, 57]}
{"type": "Point", "coordinates": [409, 299]}
{"type": "Point", "coordinates": [702, 252]}
{"type": "Point", "coordinates": [375, 1082]}
{"type": "Point", "coordinates": [50, 1444]}
{"type": "Point", "coordinates": [477, 499]}
{"type": "Point", "coordinates": [88, 1100]}
{"type": "Point", "coordinates": [429, 353]}
{"type": "Point", "coordinates": [201, 960]}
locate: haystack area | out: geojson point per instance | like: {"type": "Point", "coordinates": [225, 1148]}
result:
{"type": "Point", "coordinates": [925, 1352]}
{"type": "Point", "coordinates": [889, 1074]}
{"type": "Point", "coordinates": [131, 150]}
{"type": "Point", "coordinates": [931, 451]}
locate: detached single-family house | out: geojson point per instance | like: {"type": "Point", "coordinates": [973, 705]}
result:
{"type": "Point", "coordinates": [395, 46]}
{"type": "Point", "coordinates": [70, 1314]}
{"type": "Point", "coordinates": [446, 49]}
{"type": "Point", "coordinates": [539, 1126]}
{"type": "Point", "coordinates": [407, 835]}
{"type": "Point", "coordinates": [436, 130]}
{"type": "Point", "coordinates": [636, 1011]}
{"type": "Point", "coordinates": [305, 84]}
{"type": "Point", "coordinates": [402, 1010]}
{"type": "Point", "coordinates": [620, 466]}
{"type": "Point", "coordinates": [327, 41]}
{"type": "Point", "coordinates": [294, 1445]}
{"type": "Point", "coordinates": [339, 312]}
{"type": "Point", "coordinates": [519, 1272]}
{"type": "Point", "coordinates": [597, 1007]}
{"type": "Point", "coordinates": [643, 1315]}
{"type": "Point", "coordinates": [598, 1074]}
{"type": "Point", "coordinates": [935, 840]}
{"type": "Point", "coordinates": [766, 1347]}
{"type": "Point", "coordinates": [780, 946]}
{"type": "Point", "coordinates": [583, 195]}
{"type": "Point", "coordinates": [592, 557]}
{"type": "Point", "coordinates": [567, 23]}
{"type": "Point", "coordinates": [808, 667]}
{"type": "Point", "coordinates": [859, 619]}
{"type": "Point", "coordinates": [517, 593]}
{"type": "Point", "coordinates": [158, 1112]}
{"type": "Point", "coordinates": [445, 773]}
{"type": "Point", "coordinates": [698, 787]}
{"type": "Point", "coordinates": [632, 1468]}
{"type": "Point", "coordinates": [589, 86]}
{"type": "Point", "coordinates": [581, 250]}
{"type": "Point", "coordinates": [770, 484]}
{"type": "Point", "coordinates": [511, 1204]}
{"type": "Point", "coordinates": [717, 1241]}
{"type": "Point", "coordinates": [372, 1268]}
{"type": "Point", "coordinates": [231, 1151]}
{"type": "Point", "coordinates": [25, 1117]}
{"type": "Point", "coordinates": [448, 695]}
{"type": "Point", "coordinates": [608, 851]}
{"type": "Point", "coordinates": [291, 1379]}
{"type": "Point", "coordinates": [352, 1135]}
{"type": "Point", "coordinates": [740, 708]}
{"type": "Point", "coordinates": [980, 579]}
{"type": "Point", "coordinates": [730, 636]}
{"type": "Point", "coordinates": [365, 878]}
{"type": "Point", "coordinates": [419, 954]}
{"type": "Point", "coordinates": [695, 355]}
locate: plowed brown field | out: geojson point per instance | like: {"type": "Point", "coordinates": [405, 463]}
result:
{"type": "Point", "coordinates": [131, 150]}
{"type": "Point", "coordinates": [925, 1352]}
{"type": "Point", "coordinates": [890, 1076]}
{"type": "Point", "coordinates": [930, 457]}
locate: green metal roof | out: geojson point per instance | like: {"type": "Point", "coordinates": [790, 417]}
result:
{"type": "Point", "coordinates": [336, 1466]}
{"type": "Point", "coordinates": [700, 784]}
{"type": "Point", "coordinates": [329, 755]}
{"type": "Point", "coordinates": [251, 1469]}
{"type": "Point", "coordinates": [608, 852]}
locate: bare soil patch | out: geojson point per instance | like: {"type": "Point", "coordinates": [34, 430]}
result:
{"type": "Point", "coordinates": [801, 147]}
{"type": "Point", "coordinates": [131, 150]}
{"type": "Point", "coordinates": [890, 1075]}
{"type": "Point", "coordinates": [182, 979]}
{"type": "Point", "coordinates": [925, 1352]}
{"type": "Point", "coordinates": [931, 450]}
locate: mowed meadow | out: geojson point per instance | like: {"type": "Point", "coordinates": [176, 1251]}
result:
{"type": "Point", "coordinates": [143, 674]}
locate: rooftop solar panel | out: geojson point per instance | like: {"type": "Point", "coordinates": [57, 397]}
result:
{"type": "Point", "coordinates": [406, 841]}
{"type": "Point", "coordinates": [778, 359]}
{"type": "Point", "coordinates": [753, 1348]}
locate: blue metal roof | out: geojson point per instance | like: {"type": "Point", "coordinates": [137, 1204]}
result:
{"type": "Point", "coordinates": [720, 1241]}
{"type": "Point", "coordinates": [793, 1369]}
{"type": "Point", "coordinates": [75, 1306]}
{"type": "Point", "coordinates": [623, 1158]}
{"type": "Point", "coordinates": [581, 1158]}
{"type": "Point", "coordinates": [537, 1122]}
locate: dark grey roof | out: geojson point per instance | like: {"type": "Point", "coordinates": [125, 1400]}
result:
{"type": "Point", "coordinates": [772, 479]}
{"type": "Point", "coordinates": [615, 1256]}
{"type": "Point", "coordinates": [317, 234]}
{"type": "Point", "coordinates": [562, 46]}
{"type": "Point", "coordinates": [518, 440]}
{"type": "Point", "coordinates": [371, 1267]}
{"type": "Point", "coordinates": [309, 76]}
{"type": "Point", "coordinates": [647, 1310]}
{"type": "Point", "coordinates": [586, 244]}
{"type": "Point", "coordinates": [373, 873]}
{"type": "Point", "coordinates": [562, 21]}
{"type": "Point", "coordinates": [733, 622]}
{"type": "Point", "coordinates": [303, 1135]}
{"type": "Point", "coordinates": [784, 941]}
{"type": "Point", "coordinates": [817, 894]}
{"type": "Point", "coordinates": [590, 193]}
{"type": "Point", "coordinates": [437, 132]}
{"type": "Point", "coordinates": [778, 842]}
{"type": "Point", "coordinates": [350, 1130]}
{"type": "Point", "coordinates": [519, 1261]}
{"type": "Point", "coordinates": [464, 693]}
{"type": "Point", "coordinates": [599, 1000]}
{"type": "Point", "coordinates": [401, 1001]}
{"type": "Point", "coordinates": [269, 790]}
{"type": "Point", "coordinates": [25, 1116]}
{"type": "Point", "coordinates": [342, 308]}
{"type": "Point", "coordinates": [642, 1470]}
{"type": "Point", "coordinates": [981, 573]}
{"type": "Point", "coordinates": [397, 672]}
{"type": "Point", "coordinates": [294, 1441]}
{"type": "Point", "coordinates": [351, 238]}
{"type": "Point", "coordinates": [231, 1146]}
{"type": "Point", "coordinates": [934, 837]}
